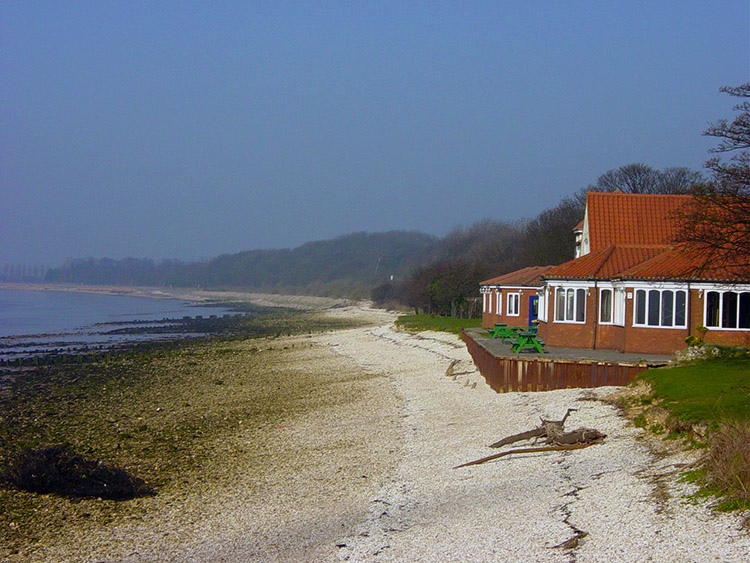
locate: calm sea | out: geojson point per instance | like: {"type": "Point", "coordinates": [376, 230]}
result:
{"type": "Point", "coordinates": [38, 319]}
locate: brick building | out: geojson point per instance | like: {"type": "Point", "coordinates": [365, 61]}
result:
{"type": "Point", "coordinates": [630, 289]}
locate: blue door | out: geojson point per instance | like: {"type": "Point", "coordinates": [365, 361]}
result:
{"type": "Point", "coordinates": [533, 309]}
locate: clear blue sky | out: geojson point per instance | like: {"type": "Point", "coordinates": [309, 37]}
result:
{"type": "Point", "coordinates": [190, 129]}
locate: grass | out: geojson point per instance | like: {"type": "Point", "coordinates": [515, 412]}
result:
{"type": "Point", "coordinates": [707, 392]}
{"type": "Point", "coordinates": [431, 322]}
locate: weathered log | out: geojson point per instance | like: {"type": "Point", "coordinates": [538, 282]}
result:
{"type": "Point", "coordinates": [579, 436]}
{"type": "Point", "coordinates": [528, 451]}
{"type": "Point", "coordinates": [528, 435]}
{"type": "Point", "coordinates": [547, 429]}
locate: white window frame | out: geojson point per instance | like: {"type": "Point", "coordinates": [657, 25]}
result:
{"type": "Point", "coordinates": [619, 305]}
{"type": "Point", "coordinates": [512, 311]}
{"type": "Point", "coordinates": [498, 302]}
{"type": "Point", "coordinates": [575, 291]}
{"type": "Point", "coordinates": [721, 291]}
{"type": "Point", "coordinates": [542, 313]}
{"type": "Point", "coordinates": [612, 315]}
{"type": "Point", "coordinates": [647, 289]}
{"type": "Point", "coordinates": [485, 303]}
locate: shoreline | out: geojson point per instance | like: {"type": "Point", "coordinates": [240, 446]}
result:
{"type": "Point", "coordinates": [194, 295]}
{"type": "Point", "coordinates": [364, 472]}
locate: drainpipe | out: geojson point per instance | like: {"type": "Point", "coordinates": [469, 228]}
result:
{"type": "Point", "coordinates": [596, 313]}
{"type": "Point", "coordinates": [688, 310]}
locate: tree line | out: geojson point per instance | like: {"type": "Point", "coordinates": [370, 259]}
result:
{"type": "Point", "coordinates": [716, 225]}
{"type": "Point", "coordinates": [441, 275]}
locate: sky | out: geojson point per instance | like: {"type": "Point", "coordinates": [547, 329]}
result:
{"type": "Point", "coordinates": [191, 129]}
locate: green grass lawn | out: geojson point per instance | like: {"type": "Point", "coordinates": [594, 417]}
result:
{"type": "Point", "coordinates": [431, 322]}
{"type": "Point", "coordinates": [709, 391]}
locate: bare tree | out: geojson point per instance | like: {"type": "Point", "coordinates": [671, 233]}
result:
{"type": "Point", "coordinates": [633, 178]}
{"type": "Point", "coordinates": [640, 178]}
{"type": "Point", "coordinates": [717, 225]}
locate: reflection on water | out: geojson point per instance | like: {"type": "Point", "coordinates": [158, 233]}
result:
{"type": "Point", "coordinates": [33, 322]}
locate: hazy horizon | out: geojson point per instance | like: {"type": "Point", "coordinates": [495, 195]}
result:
{"type": "Point", "coordinates": [186, 130]}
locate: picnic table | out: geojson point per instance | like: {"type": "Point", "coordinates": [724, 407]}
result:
{"type": "Point", "coordinates": [527, 339]}
{"type": "Point", "coordinates": [493, 332]}
{"type": "Point", "coordinates": [505, 332]}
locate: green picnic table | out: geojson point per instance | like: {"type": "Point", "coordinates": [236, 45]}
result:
{"type": "Point", "coordinates": [494, 332]}
{"type": "Point", "coordinates": [506, 332]}
{"type": "Point", "coordinates": [527, 340]}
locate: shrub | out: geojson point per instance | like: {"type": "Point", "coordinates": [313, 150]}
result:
{"type": "Point", "coordinates": [59, 470]}
{"type": "Point", "coordinates": [728, 459]}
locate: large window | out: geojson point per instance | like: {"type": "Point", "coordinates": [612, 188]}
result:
{"type": "Point", "coordinates": [727, 309]}
{"type": "Point", "coordinates": [660, 307]}
{"type": "Point", "coordinates": [514, 301]}
{"type": "Point", "coordinates": [570, 305]}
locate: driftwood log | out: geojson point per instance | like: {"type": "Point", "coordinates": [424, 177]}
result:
{"type": "Point", "coordinates": [556, 439]}
{"type": "Point", "coordinates": [547, 429]}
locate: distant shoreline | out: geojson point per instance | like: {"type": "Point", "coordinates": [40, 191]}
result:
{"type": "Point", "coordinates": [303, 302]}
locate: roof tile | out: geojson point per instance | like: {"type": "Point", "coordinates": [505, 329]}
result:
{"type": "Point", "coordinates": [526, 277]}
{"type": "Point", "coordinates": [632, 219]}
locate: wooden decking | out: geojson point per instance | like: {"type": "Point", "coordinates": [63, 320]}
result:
{"type": "Point", "coordinates": [558, 368]}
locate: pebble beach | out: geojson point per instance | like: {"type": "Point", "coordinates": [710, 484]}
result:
{"type": "Point", "coordinates": [371, 478]}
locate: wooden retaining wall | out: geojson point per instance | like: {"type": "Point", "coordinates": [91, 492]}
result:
{"type": "Point", "coordinates": [505, 374]}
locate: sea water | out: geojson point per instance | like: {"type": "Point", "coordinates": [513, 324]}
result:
{"type": "Point", "coordinates": [33, 320]}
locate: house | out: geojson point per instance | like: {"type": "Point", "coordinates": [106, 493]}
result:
{"type": "Point", "coordinates": [630, 289]}
{"type": "Point", "coordinates": [512, 298]}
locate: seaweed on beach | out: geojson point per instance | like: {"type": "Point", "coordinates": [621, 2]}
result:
{"type": "Point", "coordinates": [59, 470]}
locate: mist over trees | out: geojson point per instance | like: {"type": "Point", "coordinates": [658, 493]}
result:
{"type": "Point", "coordinates": [348, 265]}
{"type": "Point", "coordinates": [425, 273]}
{"type": "Point", "coordinates": [449, 285]}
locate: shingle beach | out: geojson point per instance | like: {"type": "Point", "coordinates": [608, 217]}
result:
{"type": "Point", "coordinates": [372, 479]}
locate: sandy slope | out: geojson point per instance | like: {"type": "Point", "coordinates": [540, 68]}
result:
{"type": "Point", "coordinates": [373, 480]}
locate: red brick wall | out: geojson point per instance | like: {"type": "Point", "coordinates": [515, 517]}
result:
{"type": "Point", "coordinates": [628, 338]}
{"type": "Point", "coordinates": [729, 337]}
{"type": "Point", "coordinates": [490, 318]}
{"type": "Point", "coordinates": [610, 337]}
{"type": "Point", "coordinates": [569, 335]}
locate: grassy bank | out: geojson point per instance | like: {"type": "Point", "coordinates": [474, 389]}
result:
{"type": "Point", "coordinates": [432, 322]}
{"type": "Point", "coordinates": [167, 414]}
{"type": "Point", "coordinates": [710, 391]}
{"type": "Point", "coordinates": [707, 403]}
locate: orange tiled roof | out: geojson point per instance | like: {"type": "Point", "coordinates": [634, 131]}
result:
{"type": "Point", "coordinates": [525, 277]}
{"type": "Point", "coordinates": [632, 219]}
{"type": "Point", "coordinates": [605, 264]}
{"type": "Point", "coordinates": [676, 263]}
{"type": "Point", "coordinates": [642, 263]}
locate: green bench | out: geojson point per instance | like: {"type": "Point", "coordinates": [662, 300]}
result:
{"type": "Point", "coordinates": [527, 340]}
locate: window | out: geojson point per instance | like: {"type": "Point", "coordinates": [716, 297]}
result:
{"type": "Point", "coordinates": [570, 305]}
{"type": "Point", "coordinates": [498, 303]}
{"type": "Point", "coordinates": [485, 303]}
{"type": "Point", "coordinates": [728, 309]}
{"type": "Point", "coordinates": [560, 305]}
{"type": "Point", "coordinates": [514, 300]}
{"type": "Point", "coordinates": [543, 306]}
{"type": "Point", "coordinates": [605, 306]}
{"type": "Point", "coordinates": [660, 307]}
{"type": "Point", "coordinates": [619, 307]}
